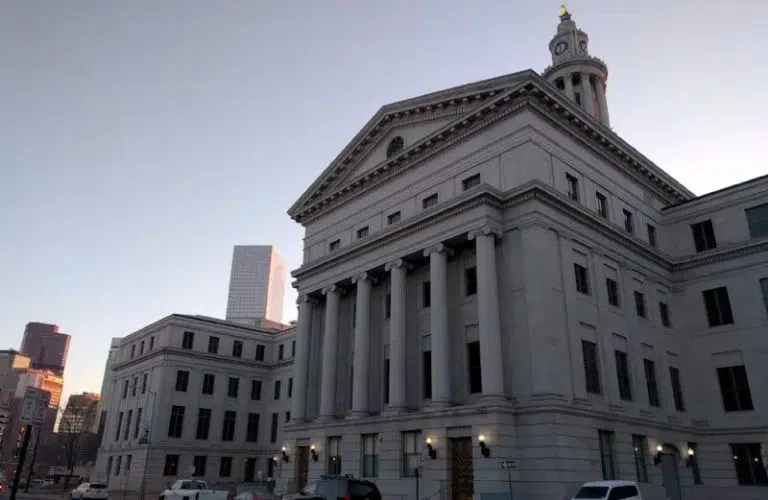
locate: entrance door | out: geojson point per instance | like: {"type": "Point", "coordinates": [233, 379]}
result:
{"type": "Point", "coordinates": [302, 466]}
{"type": "Point", "coordinates": [670, 476]}
{"type": "Point", "coordinates": [250, 470]}
{"type": "Point", "coordinates": [462, 471]}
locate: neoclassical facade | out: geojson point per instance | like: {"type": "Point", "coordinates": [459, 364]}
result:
{"type": "Point", "coordinates": [499, 293]}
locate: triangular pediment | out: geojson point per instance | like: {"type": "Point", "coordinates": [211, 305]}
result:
{"type": "Point", "coordinates": [414, 120]}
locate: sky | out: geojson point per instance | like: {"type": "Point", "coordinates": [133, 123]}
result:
{"type": "Point", "coordinates": [141, 140]}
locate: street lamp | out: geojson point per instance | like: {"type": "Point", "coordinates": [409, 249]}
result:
{"type": "Point", "coordinates": [146, 439]}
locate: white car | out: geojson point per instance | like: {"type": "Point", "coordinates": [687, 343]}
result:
{"type": "Point", "coordinates": [192, 489]}
{"type": "Point", "coordinates": [609, 490]}
{"type": "Point", "coordinates": [96, 491]}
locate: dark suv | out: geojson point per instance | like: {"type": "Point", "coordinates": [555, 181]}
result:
{"type": "Point", "coordinates": [336, 487]}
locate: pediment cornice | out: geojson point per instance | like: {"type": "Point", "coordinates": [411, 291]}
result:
{"type": "Point", "coordinates": [533, 93]}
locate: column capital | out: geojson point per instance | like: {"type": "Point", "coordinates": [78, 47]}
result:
{"type": "Point", "coordinates": [305, 298]}
{"type": "Point", "coordinates": [485, 231]}
{"type": "Point", "coordinates": [335, 289]}
{"type": "Point", "coordinates": [399, 263]}
{"type": "Point", "coordinates": [439, 248]}
{"type": "Point", "coordinates": [364, 277]}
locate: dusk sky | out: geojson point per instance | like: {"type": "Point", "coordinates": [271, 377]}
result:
{"type": "Point", "coordinates": [140, 140]}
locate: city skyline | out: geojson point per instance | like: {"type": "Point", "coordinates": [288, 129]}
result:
{"type": "Point", "coordinates": [118, 202]}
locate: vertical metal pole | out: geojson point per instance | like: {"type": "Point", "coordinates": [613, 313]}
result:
{"type": "Point", "coordinates": [509, 480]}
{"type": "Point", "coordinates": [34, 456]}
{"type": "Point", "coordinates": [20, 464]}
{"type": "Point", "coordinates": [143, 486]}
{"type": "Point", "coordinates": [416, 471]}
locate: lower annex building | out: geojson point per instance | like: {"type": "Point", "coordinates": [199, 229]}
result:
{"type": "Point", "coordinates": [491, 274]}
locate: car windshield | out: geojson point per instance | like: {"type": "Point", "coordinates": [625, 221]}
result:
{"type": "Point", "coordinates": [592, 492]}
{"type": "Point", "coordinates": [98, 486]}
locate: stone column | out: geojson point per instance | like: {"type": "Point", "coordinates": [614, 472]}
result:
{"type": "Point", "coordinates": [301, 361]}
{"type": "Point", "coordinates": [489, 318]}
{"type": "Point", "coordinates": [602, 102]}
{"type": "Point", "coordinates": [398, 343]}
{"type": "Point", "coordinates": [590, 99]}
{"type": "Point", "coordinates": [568, 80]}
{"type": "Point", "coordinates": [330, 351]}
{"type": "Point", "coordinates": [438, 320]}
{"type": "Point", "coordinates": [362, 361]}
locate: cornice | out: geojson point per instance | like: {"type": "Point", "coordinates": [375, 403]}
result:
{"type": "Point", "coordinates": [204, 356]}
{"type": "Point", "coordinates": [536, 93]}
{"type": "Point", "coordinates": [745, 249]}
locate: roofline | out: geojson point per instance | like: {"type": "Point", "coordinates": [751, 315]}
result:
{"type": "Point", "coordinates": [754, 180]}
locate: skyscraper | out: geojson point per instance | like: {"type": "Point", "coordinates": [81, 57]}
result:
{"type": "Point", "coordinates": [256, 285]}
{"type": "Point", "coordinates": [46, 347]}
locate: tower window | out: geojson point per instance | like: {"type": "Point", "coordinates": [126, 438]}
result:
{"type": "Point", "coordinates": [577, 96]}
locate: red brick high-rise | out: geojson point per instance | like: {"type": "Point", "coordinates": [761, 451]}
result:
{"type": "Point", "coordinates": [46, 347]}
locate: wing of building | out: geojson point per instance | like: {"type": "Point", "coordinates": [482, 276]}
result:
{"type": "Point", "coordinates": [492, 274]}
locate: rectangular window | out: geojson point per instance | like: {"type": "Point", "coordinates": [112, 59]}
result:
{"type": "Point", "coordinates": [612, 287]}
{"type": "Point", "coordinates": [290, 387]}
{"type": "Point", "coordinates": [276, 391]}
{"type": "Point", "coordinates": [256, 390]}
{"type": "Point", "coordinates": [388, 306]}
{"type": "Point", "coordinates": [209, 380]}
{"type": "Point", "coordinates": [426, 295]}
{"type": "Point", "coordinates": [237, 349]}
{"type": "Point", "coordinates": [640, 447]}
{"type": "Point", "coordinates": [757, 220]}
{"type": "Point", "coordinates": [119, 425]}
{"type": "Point", "coordinates": [287, 417]}
{"type": "Point", "coordinates": [334, 245]}
{"type": "Point", "coordinates": [151, 343]}
{"type": "Point", "coordinates": [293, 348]}
{"type": "Point", "coordinates": [703, 236]}
{"type": "Point", "coordinates": [474, 367]}
{"type": "Point", "coordinates": [128, 460]}
{"type": "Point", "coordinates": [118, 466]}
{"type": "Point", "coordinates": [734, 388]}
{"type": "Point", "coordinates": [137, 427]}
{"type": "Point", "coordinates": [650, 382]}
{"type": "Point", "coordinates": [582, 280]}
{"type": "Point", "coordinates": [141, 347]}
{"type": "Point", "coordinates": [606, 454]}
{"type": "Point", "coordinates": [664, 313]}
{"type": "Point", "coordinates": [144, 382]}
{"type": "Point", "coordinates": [470, 281]}
{"type": "Point", "coordinates": [677, 388]}
{"type": "Point", "coordinates": [748, 461]}
{"type": "Point", "coordinates": [429, 201]}
{"type": "Point", "coordinates": [280, 352]}
{"type": "Point", "coordinates": [203, 423]}
{"type": "Point", "coordinates": [134, 386]}
{"type": "Point", "coordinates": [386, 381]}
{"type": "Point", "coordinates": [188, 340]}
{"type": "Point", "coordinates": [718, 306]}
{"type": "Point", "coordinates": [393, 218]}
{"type": "Point", "coordinates": [629, 223]}
{"type": "Point", "coordinates": [127, 431]}
{"type": "Point", "coordinates": [133, 351]}
{"type": "Point", "coordinates": [640, 304]}
{"type": "Point", "coordinates": [273, 429]}
{"type": "Point", "coordinates": [622, 373]}
{"type": "Point", "coordinates": [109, 466]}
{"type": "Point", "coordinates": [213, 345]}
{"type": "Point", "coordinates": [602, 205]}
{"type": "Point", "coordinates": [198, 463]}
{"type": "Point", "coordinates": [182, 380]}
{"type": "Point", "coordinates": [252, 433]}
{"type": "Point", "coordinates": [362, 232]}
{"type": "Point", "coordinates": [426, 374]}
{"type": "Point", "coordinates": [370, 455]}
{"type": "Point", "coordinates": [125, 388]}
{"type": "Point", "coordinates": [225, 467]}
{"type": "Point", "coordinates": [412, 446]}
{"type": "Point", "coordinates": [171, 467]}
{"type": "Point", "coordinates": [764, 289]}
{"type": "Point", "coordinates": [260, 350]}
{"type": "Point", "coordinates": [228, 426]}
{"type": "Point", "coordinates": [334, 455]}
{"type": "Point", "coordinates": [176, 422]}
{"type": "Point", "coordinates": [232, 387]}
{"type": "Point", "coordinates": [470, 182]}
{"type": "Point", "coordinates": [573, 187]}
{"type": "Point", "coordinates": [694, 461]}
{"type": "Point", "coordinates": [591, 367]}
{"type": "Point", "coordinates": [651, 235]}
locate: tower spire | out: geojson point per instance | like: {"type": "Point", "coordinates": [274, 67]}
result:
{"type": "Point", "coordinates": [580, 76]}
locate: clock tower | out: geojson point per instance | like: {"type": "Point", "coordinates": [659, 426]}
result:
{"type": "Point", "coordinates": [580, 76]}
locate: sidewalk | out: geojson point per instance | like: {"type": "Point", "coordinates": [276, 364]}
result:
{"type": "Point", "coordinates": [64, 495]}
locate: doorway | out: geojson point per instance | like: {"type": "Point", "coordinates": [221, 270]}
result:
{"type": "Point", "coordinates": [302, 466]}
{"type": "Point", "coordinates": [670, 476]}
{"type": "Point", "coordinates": [250, 470]}
{"type": "Point", "coordinates": [462, 470]}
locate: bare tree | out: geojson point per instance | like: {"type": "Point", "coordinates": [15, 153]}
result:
{"type": "Point", "coordinates": [76, 420]}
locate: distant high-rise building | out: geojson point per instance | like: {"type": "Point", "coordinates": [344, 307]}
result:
{"type": "Point", "coordinates": [256, 285]}
{"type": "Point", "coordinates": [46, 347]}
{"type": "Point", "coordinates": [80, 414]}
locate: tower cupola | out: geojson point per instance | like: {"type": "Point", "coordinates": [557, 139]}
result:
{"type": "Point", "coordinates": [580, 76]}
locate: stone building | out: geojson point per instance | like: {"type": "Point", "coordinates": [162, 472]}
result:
{"type": "Point", "coordinates": [492, 276]}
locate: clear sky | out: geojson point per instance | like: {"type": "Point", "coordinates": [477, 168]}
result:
{"type": "Point", "coordinates": [140, 140]}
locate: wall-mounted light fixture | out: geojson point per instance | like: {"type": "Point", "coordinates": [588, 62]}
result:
{"type": "Point", "coordinates": [275, 459]}
{"type": "Point", "coordinates": [657, 456]}
{"type": "Point", "coordinates": [286, 458]}
{"type": "Point", "coordinates": [313, 452]}
{"type": "Point", "coordinates": [484, 449]}
{"type": "Point", "coordinates": [691, 457]}
{"type": "Point", "coordinates": [431, 449]}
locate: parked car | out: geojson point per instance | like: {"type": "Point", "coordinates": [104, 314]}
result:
{"type": "Point", "coordinates": [608, 490]}
{"type": "Point", "coordinates": [192, 489]}
{"type": "Point", "coordinates": [332, 487]}
{"type": "Point", "coordinates": [256, 491]}
{"type": "Point", "coordinates": [96, 491]}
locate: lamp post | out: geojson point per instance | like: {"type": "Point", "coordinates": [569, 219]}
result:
{"type": "Point", "coordinates": [147, 438]}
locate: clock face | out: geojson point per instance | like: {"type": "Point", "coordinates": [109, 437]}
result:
{"type": "Point", "coordinates": [560, 48]}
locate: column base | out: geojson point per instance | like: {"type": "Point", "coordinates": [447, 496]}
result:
{"type": "Point", "coordinates": [357, 414]}
{"type": "Point", "coordinates": [438, 405]}
{"type": "Point", "coordinates": [392, 411]}
{"type": "Point", "coordinates": [325, 418]}
{"type": "Point", "coordinates": [487, 399]}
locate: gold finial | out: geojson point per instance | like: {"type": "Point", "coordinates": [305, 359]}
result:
{"type": "Point", "coordinates": [563, 10]}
